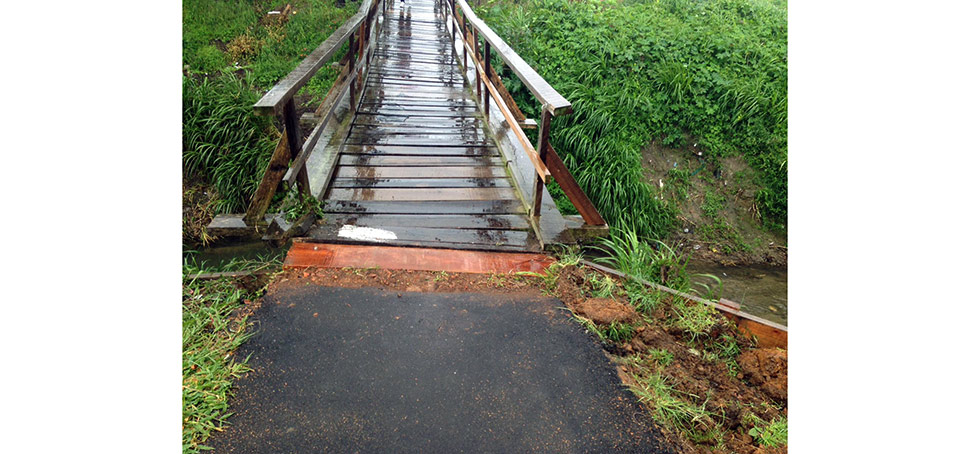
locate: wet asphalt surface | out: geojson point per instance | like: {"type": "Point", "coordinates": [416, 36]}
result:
{"type": "Point", "coordinates": [362, 370]}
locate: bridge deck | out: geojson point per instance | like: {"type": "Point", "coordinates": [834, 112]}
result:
{"type": "Point", "coordinates": [419, 165]}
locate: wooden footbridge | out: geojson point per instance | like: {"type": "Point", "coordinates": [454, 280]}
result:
{"type": "Point", "coordinates": [418, 143]}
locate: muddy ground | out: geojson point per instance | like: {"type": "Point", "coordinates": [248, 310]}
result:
{"type": "Point", "coordinates": [757, 389]}
{"type": "Point", "coordinates": [715, 199]}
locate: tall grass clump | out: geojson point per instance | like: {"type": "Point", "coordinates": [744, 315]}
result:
{"type": "Point", "coordinates": [652, 261]}
{"type": "Point", "coordinates": [222, 141]}
{"type": "Point", "coordinates": [664, 70]}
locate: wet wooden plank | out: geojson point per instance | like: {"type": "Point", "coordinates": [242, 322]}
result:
{"type": "Point", "coordinates": [481, 237]}
{"type": "Point", "coordinates": [420, 161]}
{"type": "Point", "coordinates": [425, 207]}
{"type": "Point", "coordinates": [442, 221]}
{"type": "Point", "coordinates": [447, 111]}
{"type": "Point", "coordinates": [421, 194]}
{"type": "Point", "coordinates": [420, 150]}
{"type": "Point", "coordinates": [466, 128]}
{"type": "Point", "coordinates": [389, 66]}
{"type": "Point", "coordinates": [384, 183]}
{"type": "Point", "coordinates": [419, 136]}
{"type": "Point", "coordinates": [422, 91]}
{"type": "Point", "coordinates": [418, 121]}
{"type": "Point", "coordinates": [420, 172]}
{"type": "Point", "coordinates": [446, 104]}
{"type": "Point", "coordinates": [425, 139]}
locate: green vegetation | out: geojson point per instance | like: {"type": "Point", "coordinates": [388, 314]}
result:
{"type": "Point", "coordinates": [222, 141]}
{"type": "Point", "coordinates": [232, 52]}
{"type": "Point", "coordinates": [770, 434]}
{"type": "Point", "coordinates": [661, 70]}
{"type": "Point", "coordinates": [628, 253]}
{"type": "Point", "coordinates": [672, 409]}
{"type": "Point", "coordinates": [209, 337]}
{"type": "Point", "coordinates": [214, 325]}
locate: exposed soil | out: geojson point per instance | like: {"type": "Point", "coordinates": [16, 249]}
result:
{"type": "Point", "coordinates": [758, 390]}
{"type": "Point", "coordinates": [604, 311]}
{"type": "Point", "coordinates": [716, 204]}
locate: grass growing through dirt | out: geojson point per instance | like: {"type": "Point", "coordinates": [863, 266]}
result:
{"type": "Point", "coordinates": [212, 330]}
{"type": "Point", "coordinates": [665, 69]}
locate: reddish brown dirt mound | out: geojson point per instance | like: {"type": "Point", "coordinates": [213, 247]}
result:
{"type": "Point", "coordinates": [604, 311]}
{"type": "Point", "coordinates": [767, 369]}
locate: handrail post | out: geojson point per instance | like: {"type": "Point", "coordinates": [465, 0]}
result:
{"type": "Point", "coordinates": [488, 68]}
{"type": "Point", "coordinates": [351, 63]}
{"type": "Point", "coordinates": [294, 140]}
{"type": "Point", "coordinates": [478, 80]}
{"type": "Point", "coordinates": [543, 146]}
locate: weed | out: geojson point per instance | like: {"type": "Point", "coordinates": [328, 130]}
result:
{"type": "Point", "coordinates": [569, 256]}
{"type": "Point", "coordinates": [298, 205]}
{"type": "Point", "coordinates": [619, 332]}
{"type": "Point", "coordinates": [661, 356]}
{"type": "Point", "coordinates": [441, 276]}
{"type": "Point", "coordinates": [602, 285]}
{"type": "Point", "coordinates": [774, 433]}
{"type": "Point", "coordinates": [711, 292]}
{"type": "Point", "coordinates": [590, 326]}
{"type": "Point", "coordinates": [713, 204]}
{"type": "Point", "coordinates": [727, 350]}
{"type": "Point", "coordinates": [641, 298]}
{"type": "Point", "coordinates": [693, 420]}
{"type": "Point", "coordinates": [695, 319]}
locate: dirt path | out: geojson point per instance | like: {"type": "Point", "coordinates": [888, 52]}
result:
{"type": "Point", "coordinates": [362, 369]}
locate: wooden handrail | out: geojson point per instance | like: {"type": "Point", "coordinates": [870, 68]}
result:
{"type": "Point", "coordinates": [273, 101]}
{"type": "Point", "coordinates": [358, 30]}
{"type": "Point", "coordinates": [543, 156]}
{"type": "Point", "coordinates": [541, 89]}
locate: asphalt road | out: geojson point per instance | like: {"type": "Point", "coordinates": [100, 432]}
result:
{"type": "Point", "coordinates": [361, 370]}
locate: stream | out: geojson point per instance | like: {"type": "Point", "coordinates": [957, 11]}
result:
{"type": "Point", "coordinates": [218, 256]}
{"type": "Point", "coordinates": [761, 290]}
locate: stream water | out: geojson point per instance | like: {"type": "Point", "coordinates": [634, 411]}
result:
{"type": "Point", "coordinates": [761, 291]}
{"type": "Point", "coordinates": [217, 256]}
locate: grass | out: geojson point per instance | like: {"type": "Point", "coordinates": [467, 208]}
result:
{"type": "Point", "coordinates": [212, 330]}
{"type": "Point", "coordinates": [223, 143]}
{"type": "Point", "coordinates": [655, 262]}
{"type": "Point", "coordinates": [209, 338]}
{"type": "Point", "coordinates": [675, 411]}
{"type": "Point", "coordinates": [774, 433]}
{"type": "Point", "coordinates": [659, 70]}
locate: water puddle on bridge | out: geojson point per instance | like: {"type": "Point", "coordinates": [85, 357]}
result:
{"type": "Point", "coordinates": [761, 291]}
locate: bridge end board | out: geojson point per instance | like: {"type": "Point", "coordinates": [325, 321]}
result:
{"type": "Point", "coordinates": [325, 255]}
